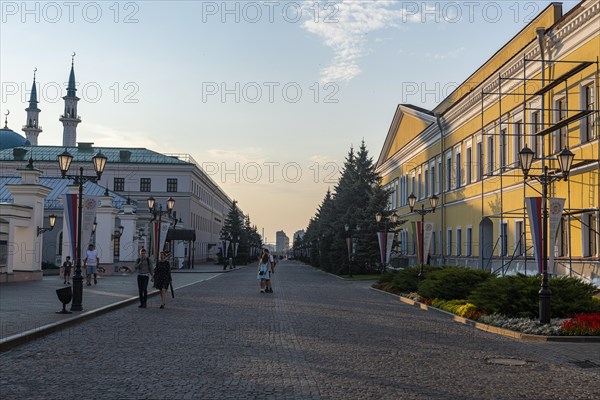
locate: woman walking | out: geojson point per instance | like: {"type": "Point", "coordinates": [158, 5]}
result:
{"type": "Point", "coordinates": [162, 277]}
{"type": "Point", "coordinates": [145, 272]}
{"type": "Point", "coordinates": [263, 272]}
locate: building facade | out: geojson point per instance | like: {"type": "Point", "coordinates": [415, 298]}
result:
{"type": "Point", "coordinates": [540, 90]}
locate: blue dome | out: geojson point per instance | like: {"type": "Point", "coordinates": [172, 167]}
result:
{"type": "Point", "coordinates": [10, 139]}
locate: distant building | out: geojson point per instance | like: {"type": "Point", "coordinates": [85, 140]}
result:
{"type": "Point", "coordinates": [282, 243]}
{"type": "Point", "coordinates": [298, 234]}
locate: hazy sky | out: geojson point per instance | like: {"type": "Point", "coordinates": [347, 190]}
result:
{"type": "Point", "coordinates": [267, 96]}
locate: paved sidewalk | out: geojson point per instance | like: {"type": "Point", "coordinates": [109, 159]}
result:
{"type": "Point", "coordinates": [31, 306]}
{"type": "Point", "coordinates": [315, 337]}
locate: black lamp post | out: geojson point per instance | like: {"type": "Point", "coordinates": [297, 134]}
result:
{"type": "Point", "coordinates": [565, 161]}
{"type": "Point", "coordinates": [433, 200]}
{"type": "Point", "coordinates": [394, 220]}
{"type": "Point", "coordinates": [64, 162]}
{"type": "Point", "coordinates": [159, 213]}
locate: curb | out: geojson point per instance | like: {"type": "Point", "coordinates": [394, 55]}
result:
{"type": "Point", "coordinates": [495, 329]}
{"type": "Point", "coordinates": [25, 337]}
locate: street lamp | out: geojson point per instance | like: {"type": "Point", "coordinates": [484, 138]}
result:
{"type": "Point", "coordinates": [41, 230]}
{"type": "Point", "coordinates": [433, 201]}
{"type": "Point", "coordinates": [565, 161]}
{"type": "Point", "coordinates": [64, 163]}
{"type": "Point", "coordinates": [394, 220]}
{"type": "Point", "coordinates": [159, 213]}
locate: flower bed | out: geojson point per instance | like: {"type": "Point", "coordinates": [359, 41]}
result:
{"type": "Point", "coordinates": [582, 325]}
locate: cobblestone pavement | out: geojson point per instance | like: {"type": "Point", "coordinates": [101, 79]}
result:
{"type": "Point", "coordinates": [316, 337]}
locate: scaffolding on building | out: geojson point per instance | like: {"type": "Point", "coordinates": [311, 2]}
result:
{"type": "Point", "coordinates": [547, 135]}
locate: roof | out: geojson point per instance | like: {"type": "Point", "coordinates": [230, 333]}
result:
{"type": "Point", "coordinates": [59, 187]}
{"type": "Point", "coordinates": [85, 151]}
{"type": "Point", "coordinates": [10, 139]}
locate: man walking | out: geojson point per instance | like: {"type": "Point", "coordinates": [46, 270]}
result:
{"type": "Point", "coordinates": [91, 263]}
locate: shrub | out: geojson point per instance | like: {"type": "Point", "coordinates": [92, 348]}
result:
{"type": "Point", "coordinates": [518, 296]}
{"type": "Point", "coordinates": [403, 281]}
{"type": "Point", "coordinates": [572, 296]}
{"type": "Point", "coordinates": [512, 296]}
{"type": "Point", "coordinates": [452, 282]}
{"type": "Point", "coordinates": [582, 324]}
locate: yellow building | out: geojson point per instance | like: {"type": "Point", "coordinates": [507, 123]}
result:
{"type": "Point", "coordinates": [539, 90]}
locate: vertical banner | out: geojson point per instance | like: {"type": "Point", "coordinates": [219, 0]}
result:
{"type": "Point", "coordinates": [389, 243]}
{"type": "Point", "coordinates": [381, 239]}
{"type": "Point", "coordinates": [415, 237]}
{"type": "Point", "coordinates": [88, 216]}
{"type": "Point", "coordinates": [418, 227]}
{"type": "Point", "coordinates": [235, 249]}
{"type": "Point", "coordinates": [427, 239]}
{"type": "Point", "coordinates": [555, 209]}
{"type": "Point", "coordinates": [223, 254]}
{"type": "Point", "coordinates": [226, 248]}
{"type": "Point", "coordinates": [534, 212]}
{"type": "Point", "coordinates": [164, 229]}
{"type": "Point", "coordinates": [70, 216]}
{"type": "Point", "coordinates": [349, 245]}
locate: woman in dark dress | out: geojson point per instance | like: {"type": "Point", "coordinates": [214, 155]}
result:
{"type": "Point", "coordinates": [162, 277]}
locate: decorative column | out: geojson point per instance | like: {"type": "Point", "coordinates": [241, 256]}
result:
{"type": "Point", "coordinates": [105, 218]}
{"type": "Point", "coordinates": [26, 246]}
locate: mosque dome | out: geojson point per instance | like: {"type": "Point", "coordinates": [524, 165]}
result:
{"type": "Point", "coordinates": [10, 139]}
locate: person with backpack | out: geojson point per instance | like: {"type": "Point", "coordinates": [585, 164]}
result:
{"type": "Point", "coordinates": [145, 273]}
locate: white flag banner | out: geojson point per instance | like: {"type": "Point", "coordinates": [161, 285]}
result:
{"type": "Point", "coordinates": [164, 228]}
{"type": "Point", "coordinates": [389, 243]}
{"type": "Point", "coordinates": [88, 216]}
{"type": "Point", "coordinates": [427, 235]}
{"type": "Point", "coordinates": [555, 211]}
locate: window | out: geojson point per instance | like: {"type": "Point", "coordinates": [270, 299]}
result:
{"type": "Point", "coordinates": [458, 171]}
{"type": "Point", "coordinates": [469, 243]}
{"type": "Point", "coordinates": [119, 184]}
{"type": "Point", "coordinates": [441, 241]}
{"type": "Point", "coordinates": [469, 165]}
{"type": "Point", "coordinates": [433, 244]}
{"type": "Point", "coordinates": [559, 137]}
{"type": "Point", "coordinates": [519, 141]}
{"type": "Point", "coordinates": [564, 237]}
{"type": "Point", "coordinates": [458, 241]}
{"type": "Point", "coordinates": [449, 242]}
{"type": "Point", "coordinates": [433, 181]}
{"type": "Point", "coordinates": [590, 235]}
{"type": "Point", "coordinates": [440, 176]}
{"type": "Point", "coordinates": [479, 161]}
{"type": "Point", "coordinates": [448, 172]}
{"type": "Point", "coordinates": [426, 183]}
{"type": "Point", "coordinates": [420, 188]}
{"type": "Point", "coordinates": [504, 239]}
{"type": "Point", "coordinates": [502, 150]}
{"type": "Point", "coordinates": [536, 142]}
{"type": "Point", "coordinates": [519, 238]}
{"type": "Point", "coordinates": [145, 185]}
{"type": "Point", "coordinates": [171, 184]}
{"type": "Point", "coordinates": [587, 103]}
{"type": "Point", "coordinates": [490, 155]}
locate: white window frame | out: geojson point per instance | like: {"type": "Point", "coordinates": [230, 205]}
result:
{"type": "Point", "coordinates": [448, 171]}
{"type": "Point", "coordinates": [583, 123]}
{"type": "Point", "coordinates": [479, 159]}
{"type": "Point", "coordinates": [440, 176]}
{"type": "Point", "coordinates": [469, 241]}
{"type": "Point", "coordinates": [556, 139]}
{"type": "Point", "coordinates": [503, 248]}
{"type": "Point", "coordinates": [490, 156]}
{"type": "Point", "coordinates": [517, 236]}
{"type": "Point", "coordinates": [517, 144]}
{"type": "Point", "coordinates": [459, 252]}
{"type": "Point", "coordinates": [449, 241]}
{"type": "Point", "coordinates": [469, 161]}
{"type": "Point", "coordinates": [458, 162]}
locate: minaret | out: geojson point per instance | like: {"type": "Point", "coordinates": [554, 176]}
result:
{"type": "Point", "coordinates": [70, 119]}
{"type": "Point", "coordinates": [32, 128]}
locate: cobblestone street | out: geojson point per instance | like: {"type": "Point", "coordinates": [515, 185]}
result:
{"type": "Point", "coordinates": [316, 337]}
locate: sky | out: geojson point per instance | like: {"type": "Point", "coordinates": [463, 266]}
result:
{"type": "Point", "coordinates": [267, 96]}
